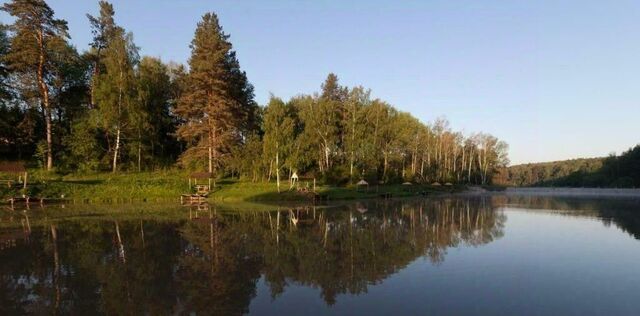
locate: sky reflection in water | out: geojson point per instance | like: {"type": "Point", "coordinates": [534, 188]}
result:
{"type": "Point", "coordinates": [492, 255]}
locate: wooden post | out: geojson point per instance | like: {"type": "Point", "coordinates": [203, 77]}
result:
{"type": "Point", "coordinates": [189, 183]}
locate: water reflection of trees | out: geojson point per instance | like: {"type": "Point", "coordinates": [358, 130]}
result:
{"type": "Point", "coordinates": [79, 268]}
{"type": "Point", "coordinates": [622, 212]}
{"type": "Point", "coordinates": [338, 251]}
{"type": "Point", "coordinates": [210, 263]}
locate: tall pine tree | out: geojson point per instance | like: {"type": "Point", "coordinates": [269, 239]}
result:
{"type": "Point", "coordinates": [217, 100]}
{"type": "Point", "coordinates": [37, 34]}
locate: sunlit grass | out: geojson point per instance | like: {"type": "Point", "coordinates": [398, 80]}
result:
{"type": "Point", "coordinates": [169, 185]}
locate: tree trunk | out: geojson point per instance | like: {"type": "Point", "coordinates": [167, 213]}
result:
{"type": "Point", "coordinates": [117, 148]}
{"type": "Point", "coordinates": [470, 165]}
{"type": "Point", "coordinates": [139, 151]}
{"type": "Point", "coordinates": [210, 156]}
{"type": "Point", "coordinates": [278, 169]}
{"type": "Point", "coordinates": [384, 167]}
{"type": "Point", "coordinates": [44, 91]}
{"type": "Point", "coordinates": [326, 155]}
{"type": "Point", "coordinates": [353, 140]}
{"type": "Point", "coordinates": [116, 151]}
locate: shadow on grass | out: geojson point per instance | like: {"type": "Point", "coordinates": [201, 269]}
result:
{"type": "Point", "coordinates": [84, 182]}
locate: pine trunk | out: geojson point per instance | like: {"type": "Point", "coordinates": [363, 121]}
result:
{"type": "Point", "coordinates": [44, 91]}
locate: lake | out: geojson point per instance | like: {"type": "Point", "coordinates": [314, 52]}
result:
{"type": "Point", "coordinates": [486, 255]}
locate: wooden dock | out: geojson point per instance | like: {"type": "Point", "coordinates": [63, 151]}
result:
{"type": "Point", "coordinates": [192, 198]}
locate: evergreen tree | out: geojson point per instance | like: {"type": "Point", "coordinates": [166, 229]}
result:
{"type": "Point", "coordinates": [37, 35]}
{"type": "Point", "coordinates": [216, 99]}
{"type": "Point", "coordinates": [103, 28]}
{"type": "Point", "coordinates": [154, 92]}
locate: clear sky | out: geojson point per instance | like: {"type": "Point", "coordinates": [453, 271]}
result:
{"type": "Point", "coordinates": [555, 79]}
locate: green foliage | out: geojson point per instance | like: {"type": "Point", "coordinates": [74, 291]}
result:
{"type": "Point", "coordinates": [83, 144]}
{"type": "Point", "coordinates": [621, 171]}
{"type": "Point", "coordinates": [108, 108]}
{"type": "Point", "coordinates": [5, 89]}
{"type": "Point", "coordinates": [37, 51]}
{"type": "Point", "coordinates": [341, 135]}
{"type": "Point", "coordinates": [216, 100]}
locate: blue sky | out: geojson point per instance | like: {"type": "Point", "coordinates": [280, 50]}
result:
{"type": "Point", "coordinates": [555, 79]}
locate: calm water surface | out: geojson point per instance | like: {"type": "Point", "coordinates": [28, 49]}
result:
{"type": "Point", "coordinates": [463, 256]}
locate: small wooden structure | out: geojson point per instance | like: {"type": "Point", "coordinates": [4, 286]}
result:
{"type": "Point", "coordinates": [194, 177]}
{"type": "Point", "coordinates": [308, 181]}
{"type": "Point", "coordinates": [202, 190]}
{"type": "Point", "coordinates": [17, 169]}
{"type": "Point", "coordinates": [362, 184]}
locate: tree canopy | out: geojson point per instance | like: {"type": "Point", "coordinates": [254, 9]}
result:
{"type": "Point", "coordinates": [108, 108]}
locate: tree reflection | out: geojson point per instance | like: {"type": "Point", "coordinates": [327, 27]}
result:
{"type": "Point", "coordinates": [346, 251]}
{"type": "Point", "coordinates": [209, 262]}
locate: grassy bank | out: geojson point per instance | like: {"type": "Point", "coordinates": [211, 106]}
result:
{"type": "Point", "coordinates": [170, 184]}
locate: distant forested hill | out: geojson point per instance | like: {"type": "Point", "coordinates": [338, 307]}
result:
{"type": "Point", "coordinates": [613, 171]}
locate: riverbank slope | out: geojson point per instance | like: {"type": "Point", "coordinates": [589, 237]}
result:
{"type": "Point", "coordinates": [169, 185]}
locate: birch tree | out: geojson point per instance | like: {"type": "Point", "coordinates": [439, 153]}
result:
{"type": "Point", "coordinates": [278, 133]}
{"type": "Point", "coordinates": [115, 92]}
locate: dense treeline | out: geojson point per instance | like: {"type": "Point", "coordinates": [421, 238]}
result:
{"type": "Point", "coordinates": [622, 171]}
{"type": "Point", "coordinates": [108, 108]}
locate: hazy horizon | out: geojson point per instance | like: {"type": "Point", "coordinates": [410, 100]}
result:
{"type": "Point", "coordinates": [555, 81]}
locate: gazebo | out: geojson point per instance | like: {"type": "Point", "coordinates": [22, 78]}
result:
{"type": "Point", "coordinates": [15, 168]}
{"type": "Point", "coordinates": [362, 183]}
{"type": "Point", "coordinates": [202, 190]}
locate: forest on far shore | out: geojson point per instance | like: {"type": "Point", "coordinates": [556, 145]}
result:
{"type": "Point", "coordinates": [108, 109]}
{"type": "Point", "coordinates": [617, 171]}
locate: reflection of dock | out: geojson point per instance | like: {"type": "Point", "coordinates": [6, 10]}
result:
{"type": "Point", "coordinates": [9, 238]}
{"type": "Point", "coordinates": [33, 200]}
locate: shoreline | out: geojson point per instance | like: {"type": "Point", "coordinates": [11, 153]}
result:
{"type": "Point", "coordinates": [573, 192]}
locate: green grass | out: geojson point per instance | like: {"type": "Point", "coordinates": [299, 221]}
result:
{"type": "Point", "coordinates": [169, 185]}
